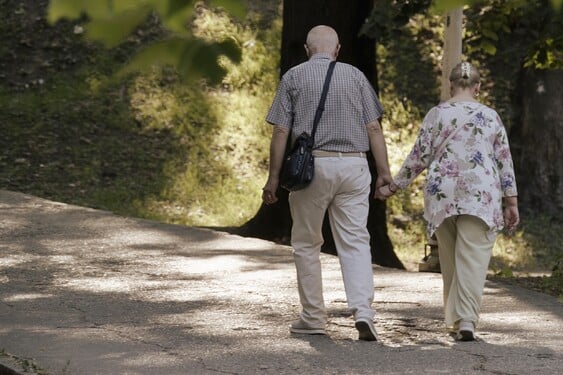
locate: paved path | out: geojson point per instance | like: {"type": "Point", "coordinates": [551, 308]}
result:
{"type": "Point", "coordinates": [87, 292]}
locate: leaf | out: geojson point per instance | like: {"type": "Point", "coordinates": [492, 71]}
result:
{"type": "Point", "coordinates": [201, 60]}
{"type": "Point", "coordinates": [193, 58]}
{"type": "Point", "coordinates": [174, 6]}
{"type": "Point", "coordinates": [112, 30]}
{"type": "Point", "coordinates": [488, 47]}
{"type": "Point", "coordinates": [233, 7]}
{"type": "Point", "coordinates": [446, 5]}
{"type": "Point", "coordinates": [490, 34]}
{"type": "Point", "coordinates": [160, 53]}
{"type": "Point", "coordinates": [72, 9]}
{"type": "Point", "coordinates": [63, 9]}
{"type": "Point", "coordinates": [177, 19]}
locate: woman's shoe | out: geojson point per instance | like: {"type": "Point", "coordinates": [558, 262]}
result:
{"type": "Point", "coordinates": [466, 331]}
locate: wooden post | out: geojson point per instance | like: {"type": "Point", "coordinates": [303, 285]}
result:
{"type": "Point", "coordinates": [452, 48]}
{"type": "Point", "coordinates": [451, 57]}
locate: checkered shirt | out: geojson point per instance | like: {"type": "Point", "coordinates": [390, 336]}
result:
{"type": "Point", "coordinates": [350, 105]}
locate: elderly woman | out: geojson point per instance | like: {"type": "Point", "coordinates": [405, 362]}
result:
{"type": "Point", "coordinates": [470, 192]}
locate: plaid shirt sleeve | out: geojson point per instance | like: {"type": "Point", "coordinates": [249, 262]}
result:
{"type": "Point", "coordinates": [372, 108]}
{"type": "Point", "coordinates": [281, 111]}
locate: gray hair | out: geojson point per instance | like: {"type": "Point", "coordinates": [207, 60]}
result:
{"type": "Point", "coordinates": [464, 75]}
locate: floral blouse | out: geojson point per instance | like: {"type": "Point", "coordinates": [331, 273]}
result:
{"type": "Point", "coordinates": [469, 172]}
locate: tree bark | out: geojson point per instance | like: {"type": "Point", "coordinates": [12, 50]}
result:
{"type": "Point", "coordinates": [537, 141]}
{"type": "Point", "coordinates": [274, 222]}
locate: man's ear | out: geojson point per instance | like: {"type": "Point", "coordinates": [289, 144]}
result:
{"type": "Point", "coordinates": [306, 50]}
{"type": "Point", "coordinates": [336, 51]}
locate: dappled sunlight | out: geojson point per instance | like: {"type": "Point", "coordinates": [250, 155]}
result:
{"type": "Point", "coordinates": [12, 260]}
{"type": "Point", "coordinates": [104, 284]}
{"type": "Point", "coordinates": [519, 321]}
{"type": "Point", "coordinates": [143, 296]}
{"type": "Point", "coordinates": [182, 319]}
{"type": "Point", "coordinates": [26, 297]}
{"type": "Point", "coordinates": [68, 259]}
{"type": "Point", "coordinates": [15, 223]}
{"type": "Point", "coordinates": [197, 266]}
{"type": "Point", "coordinates": [226, 242]}
{"type": "Point", "coordinates": [144, 235]}
{"type": "Point", "coordinates": [145, 361]}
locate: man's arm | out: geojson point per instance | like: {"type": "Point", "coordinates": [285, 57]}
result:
{"type": "Point", "coordinates": [277, 152]}
{"type": "Point", "coordinates": [379, 151]}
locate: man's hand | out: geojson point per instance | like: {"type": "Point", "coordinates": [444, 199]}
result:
{"type": "Point", "coordinates": [277, 150]}
{"type": "Point", "coordinates": [383, 180]}
{"type": "Point", "coordinates": [269, 191]}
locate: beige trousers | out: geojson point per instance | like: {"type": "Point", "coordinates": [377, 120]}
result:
{"type": "Point", "coordinates": [465, 245]}
{"type": "Point", "coordinates": [341, 186]}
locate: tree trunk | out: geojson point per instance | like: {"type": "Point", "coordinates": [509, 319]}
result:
{"type": "Point", "coordinates": [537, 141]}
{"type": "Point", "coordinates": [452, 48]}
{"type": "Point", "coordinates": [274, 222]}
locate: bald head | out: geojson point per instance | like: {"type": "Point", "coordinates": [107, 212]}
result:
{"type": "Point", "coordinates": [322, 39]}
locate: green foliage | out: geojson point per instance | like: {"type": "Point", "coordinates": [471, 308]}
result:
{"type": "Point", "coordinates": [111, 22]}
{"type": "Point", "coordinates": [534, 26]}
{"type": "Point", "coordinates": [520, 31]}
{"type": "Point", "coordinates": [497, 26]}
{"type": "Point", "coordinates": [445, 5]}
{"type": "Point", "coordinates": [388, 15]}
{"type": "Point", "coordinates": [147, 145]}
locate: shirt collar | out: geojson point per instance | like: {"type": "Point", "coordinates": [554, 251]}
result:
{"type": "Point", "coordinates": [321, 56]}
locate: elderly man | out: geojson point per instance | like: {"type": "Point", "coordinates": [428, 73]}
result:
{"type": "Point", "coordinates": [349, 128]}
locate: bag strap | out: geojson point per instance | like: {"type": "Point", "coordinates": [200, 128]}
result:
{"type": "Point", "coordinates": [321, 106]}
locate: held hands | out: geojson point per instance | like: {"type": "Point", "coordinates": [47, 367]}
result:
{"type": "Point", "coordinates": [385, 191]}
{"type": "Point", "coordinates": [385, 187]}
{"type": "Point", "coordinates": [382, 181]}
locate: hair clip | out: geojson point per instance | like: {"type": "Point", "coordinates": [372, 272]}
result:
{"type": "Point", "coordinates": [465, 69]}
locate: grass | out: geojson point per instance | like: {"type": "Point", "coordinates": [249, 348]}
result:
{"type": "Point", "coordinates": [28, 366]}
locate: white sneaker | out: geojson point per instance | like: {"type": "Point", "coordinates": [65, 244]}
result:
{"type": "Point", "coordinates": [466, 331]}
{"type": "Point", "coordinates": [366, 329]}
{"type": "Point", "coordinates": [300, 326]}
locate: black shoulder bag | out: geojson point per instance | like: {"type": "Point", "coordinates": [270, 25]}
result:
{"type": "Point", "coordinates": [299, 164]}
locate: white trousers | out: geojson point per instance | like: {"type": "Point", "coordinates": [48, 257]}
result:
{"type": "Point", "coordinates": [341, 185]}
{"type": "Point", "coordinates": [465, 245]}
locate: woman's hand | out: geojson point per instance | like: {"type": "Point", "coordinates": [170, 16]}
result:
{"type": "Point", "coordinates": [511, 218]}
{"type": "Point", "coordinates": [511, 215]}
